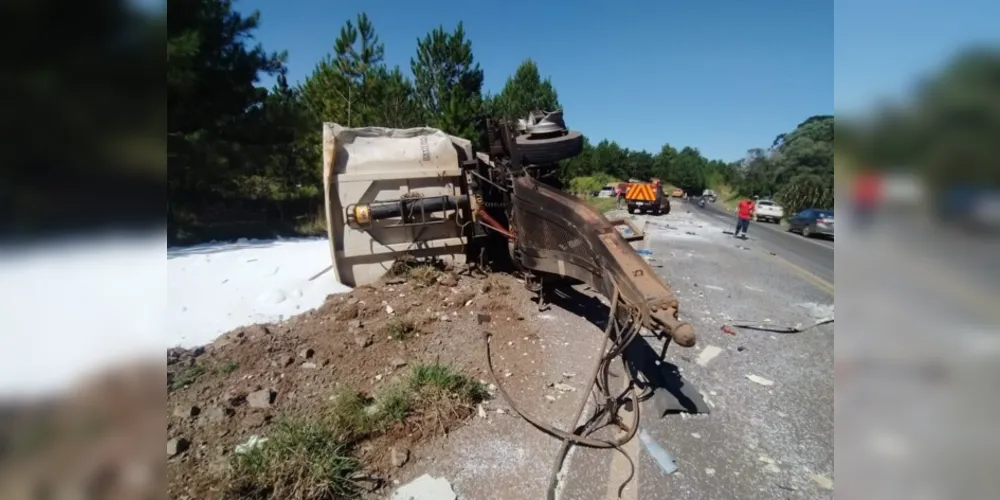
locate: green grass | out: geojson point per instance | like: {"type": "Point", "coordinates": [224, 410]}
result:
{"type": "Point", "coordinates": [300, 460]}
{"type": "Point", "coordinates": [313, 459]}
{"type": "Point", "coordinates": [400, 329]}
{"type": "Point", "coordinates": [229, 366]}
{"type": "Point", "coordinates": [188, 376]}
{"type": "Point", "coordinates": [602, 204]}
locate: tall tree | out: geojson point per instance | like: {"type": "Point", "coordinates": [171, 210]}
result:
{"type": "Point", "coordinates": [211, 87]}
{"type": "Point", "coordinates": [448, 81]}
{"type": "Point", "coordinates": [343, 86]}
{"type": "Point", "coordinates": [526, 91]}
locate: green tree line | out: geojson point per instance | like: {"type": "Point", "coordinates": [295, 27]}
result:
{"type": "Point", "coordinates": [245, 160]}
{"type": "Point", "coordinates": [945, 131]}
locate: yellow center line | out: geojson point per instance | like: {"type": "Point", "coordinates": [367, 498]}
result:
{"type": "Point", "coordinates": [820, 283]}
{"type": "Point", "coordinates": [980, 300]}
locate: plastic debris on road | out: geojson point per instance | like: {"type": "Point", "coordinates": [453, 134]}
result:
{"type": "Point", "coordinates": [665, 460]}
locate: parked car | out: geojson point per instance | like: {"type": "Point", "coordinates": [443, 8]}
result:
{"type": "Point", "coordinates": [768, 210]}
{"type": "Point", "coordinates": [607, 192]}
{"type": "Point", "coordinates": [677, 193]}
{"type": "Point", "coordinates": [709, 195]}
{"type": "Point", "coordinates": [811, 222]}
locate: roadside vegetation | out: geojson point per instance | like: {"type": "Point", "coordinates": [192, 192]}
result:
{"type": "Point", "coordinates": [315, 457]}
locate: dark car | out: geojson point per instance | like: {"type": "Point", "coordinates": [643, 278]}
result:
{"type": "Point", "coordinates": [811, 222]}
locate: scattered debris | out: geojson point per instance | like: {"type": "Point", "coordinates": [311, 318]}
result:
{"type": "Point", "coordinates": [568, 374]}
{"type": "Point", "coordinates": [306, 353]}
{"type": "Point", "coordinates": [250, 444]}
{"type": "Point", "coordinates": [550, 397]}
{"type": "Point", "coordinates": [425, 487]}
{"type": "Point", "coordinates": [760, 380]}
{"type": "Point", "coordinates": [717, 288]}
{"type": "Point", "coordinates": [728, 330]}
{"type": "Point", "coordinates": [389, 309]}
{"type": "Point", "coordinates": [823, 481]}
{"type": "Point", "coordinates": [399, 456]}
{"type": "Point", "coordinates": [708, 354]}
{"type": "Point", "coordinates": [709, 471]}
{"type": "Point", "coordinates": [482, 412]}
{"type": "Point", "coordinates": [309, 366]}
{"type": "Point", "coordinates": [483, 318]}
{"type": "Point", "coordinates": [398, 363]}
{"type": "Point", "coordinates": [696, 435]}
{"type": "Point", "coordinates": [563, 387]}
{"type": "Point", "coordinates": [741, 348]}
{"type": "Point", "coordinates": [363, 340]}
{"type": "Point", "coordinates": [665, 460]}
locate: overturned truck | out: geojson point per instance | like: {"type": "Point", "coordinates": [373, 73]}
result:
{"type": "Point", "coordinates": [421, 193]}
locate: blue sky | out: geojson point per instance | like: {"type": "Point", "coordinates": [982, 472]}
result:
{"type": "Point", "coordinates": [884, 47]}
{"type": "Point", "coordinates": [720, 75]}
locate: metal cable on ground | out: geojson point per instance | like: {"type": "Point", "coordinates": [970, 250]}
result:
{"type": "Point", "coordinates": [609, 406]}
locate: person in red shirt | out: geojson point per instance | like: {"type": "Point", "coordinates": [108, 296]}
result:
{"type": "Point", "coordinates": [866, 195]}
{"type": "Point", "coordinates": [744, 211]}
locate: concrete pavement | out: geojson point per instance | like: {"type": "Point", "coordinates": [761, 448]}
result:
{"type": "Point", "coordinates": [760, 441]}
{"type": "Point", "coordinates": [814, 255]}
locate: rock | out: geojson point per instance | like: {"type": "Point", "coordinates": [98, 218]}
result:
{"type": "Point", "coordinates": [363, 340]}
{"type": "Point", "coordinates": [760, 380]}
{"type": "Point", "coordinates": [550, 397]}
{"type": "Point", "coordinates": [564, 387]}
{"type": "Point", "coordinates": [482, 412]}
{"type": "Point", "coordinates": [398, 362]}
{"type": "Point", "coordinates": [709, 471]}
{"type": "Point", "coordinates": [389, 309]}
{"type": "Point", "coordinates": [261, 399]}
{"type": "Point", "coordinates": [425, 487]}
{"type": "Point", "coordinates": [348, 311]}
{"type": "Point", "coordinates": [309, 366]}
{"type": "Point", "coordinates": [483, 318]}
{"type": "Point", "coordinates": [772, 468]}
{"type": "Point", "coordinates": [399, 456]}
{"type": "Point", "coordinates": [568, 374]}
{"type": "Point", "coordinates": [448, 280]}
{"type": "Point", "coordinates": [186, 411]}
{"type": "Point", "coordinates": [217, 414]}
{"type": "Point", "coordinates": [696, 435]}
{"type": "Point", "coordinates": [306, 353]}
{"type": "Point", "coordinates": [176, 446]}
{"type": "Point", "coordinates": [708, 354]}
{"type": "Point", "coordinates": [354, 324]}
{"type": "Point", "coordinates": [823, 481]}
{"type": "Point", "coordinates": [287, 360]}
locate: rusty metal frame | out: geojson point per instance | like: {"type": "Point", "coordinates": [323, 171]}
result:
{"type": "Point", "coordinates": [608, 261]}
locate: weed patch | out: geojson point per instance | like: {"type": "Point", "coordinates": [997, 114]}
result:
{"type": "Point", "coordinates": [300, 460]}
{"type": "Point", "coordinates": [400, 329]}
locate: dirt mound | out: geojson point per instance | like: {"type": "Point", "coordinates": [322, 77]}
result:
{"type": "Point", "coordinates": [359, 380]}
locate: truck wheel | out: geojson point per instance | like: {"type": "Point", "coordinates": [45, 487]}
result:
{"type": "Point", "coordinates": [550, 149]}
{"type": "Point", "coordinates": [631, 210]}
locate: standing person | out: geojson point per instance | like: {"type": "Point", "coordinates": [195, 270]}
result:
{"type": "Point", "coordinates": [866, 194]}
{"type": "Point", "coordinates": [744, 211]}
{"type": "Point", "coordinates": [620, 193]}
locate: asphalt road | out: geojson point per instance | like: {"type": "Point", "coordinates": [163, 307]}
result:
{"type": "Point", "coordinates": [814, 255]}
{"type": "Point", "coordinates": [759, 441]}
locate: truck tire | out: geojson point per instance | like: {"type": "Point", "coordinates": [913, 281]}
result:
{"type": "Point", "coordinates": [550, 149]}
{"type": "Point", "coordinates": [631, 209]}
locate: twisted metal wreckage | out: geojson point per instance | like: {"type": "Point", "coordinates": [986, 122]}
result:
{"type": "Point", "coordinates": [422, 193]}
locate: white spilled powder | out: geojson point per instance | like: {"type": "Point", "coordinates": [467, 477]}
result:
{"type": "Point", "coordinates": [215, 287]}
{"type": "Point", "coordinates": [75, 307]}
{"type": "Point", "coordinates": [493, 458]}
{"type": "Point", "coordinates": [818, 311]}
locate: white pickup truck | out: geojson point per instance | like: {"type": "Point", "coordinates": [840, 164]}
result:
{"type": "Point", "coordinates": [768, 210]}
